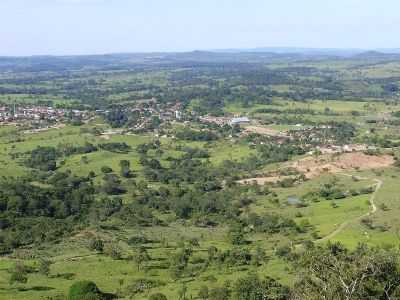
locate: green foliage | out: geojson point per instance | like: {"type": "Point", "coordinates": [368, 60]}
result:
{"type": "Point", "coordinates": [142, 285]}
{"type": "Point", "coordinates": [106, 169]}
{"type": "Point", "coordinates": [125, 168]}
{"type": "Point", "coordinates": [44, 266]}
{"type": "Point", "coordinates": [116, 147]}
{"type": "Point", "coordinates": [112, 185]}
{"type": "Point", "coordinates": [187, 197]}
{"type": "Point", "coordinates": [36, 213]}
{"type": "Point", "coordinates": [84, 290]}
{"type": "Point", "coordinates": [158, 296]}
{"type": "Point", "coordinates": [113, 250]}
{"type": "Point", "coordinates": [43, 158]}
{"type": "Point", "coordinates": [219, 293]}
{"type": "Point", "coordinates": [96, 244]}
{"type": "Point", "coordinates": [236, 236]}
{"type": "Point", "coordinates": [179, 262]}
{"type": "Point", "coordinates": [194, 135]}
{"type": "Point", "coordinates": [19, 274]}
{"type": "Point", "coordinates": [203, 292]}
{"type": "Point", "coordinates": [333, 272]}
{"type": "Point", "coordinates": [252, 287]}
{"type": "Point", "coordinates": [140, 257]}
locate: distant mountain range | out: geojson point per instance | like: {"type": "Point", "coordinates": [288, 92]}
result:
{"type": "Point", "coordinates": [311, 51]}
{"type": "Point", "coordinates": [145, 60]}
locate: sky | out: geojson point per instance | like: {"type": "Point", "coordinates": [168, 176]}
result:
{"type": "Point", "coordinates": [64, 27]}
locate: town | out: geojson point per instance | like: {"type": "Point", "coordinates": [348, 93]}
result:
{"type": "Point", "coordinates": [22, 113]}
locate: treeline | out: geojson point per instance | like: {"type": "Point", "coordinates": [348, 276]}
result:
{"type": "Point", "coordinates": [31, 213]}
{"type": "Point", "coordinates": [45, 157]}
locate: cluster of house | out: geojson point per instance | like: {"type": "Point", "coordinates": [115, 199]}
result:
{"type": "Point", "coordinates": [331, 149]}
{"type": "Point", "coordinates": [146, 110]}
{"type": "Point", "coordinates": [36, 113]}
{"type": "Point", "coordinates": [221, 121]}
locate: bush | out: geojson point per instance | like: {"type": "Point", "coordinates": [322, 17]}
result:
{"type": "Point", "coordinates": [106, 169]}
{"type": "Point", "coordinates": [44, 267]}
{"type": "Point", "coordinates": [158, 296]}
{"type": "Point", "coordinates": [19, 278]}
{"type": "Point", "coordinates": [113, 250]}
{"type": "Point", "coordinates": [203, 293]}
{"type": "Point", "coordinates": [96, 245]}
{"type": "Point", "coordinates": [137, 240]}
{"type": "Point", "coordinates": [19, 274]}
{"type": "Point", "coordinates": [142, 285]}
{"type": "Point", "coordinates": [219, 293]}
{"type": "Point", "coordinates": [84, 290]}
{"type": "Point", "coordinates": [283, 251]}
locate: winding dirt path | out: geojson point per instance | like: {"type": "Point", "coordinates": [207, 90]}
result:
{"type": "Point", "coordinates": [373, 210]}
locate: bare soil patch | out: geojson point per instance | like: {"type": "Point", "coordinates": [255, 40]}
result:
{"type": "Point", "coordinates": [263, 180]}
{"type": "Point", "coordinates": [263, 130]}
{"type": "Point", "coordinates": [313, 167]}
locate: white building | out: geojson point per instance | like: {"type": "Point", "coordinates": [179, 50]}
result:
{"type": "Point", "coordinates": [240, 120]}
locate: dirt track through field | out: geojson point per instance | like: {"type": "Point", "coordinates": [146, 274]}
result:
{"type": "Point", "coordinates": [343, 226]}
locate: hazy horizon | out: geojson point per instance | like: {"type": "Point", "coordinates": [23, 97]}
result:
{"type": "Point", "coordinates": [75, 27]}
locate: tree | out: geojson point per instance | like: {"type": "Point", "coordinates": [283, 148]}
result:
{"type": "Point", "coordinates": [112, 185]}
{"type": "Point", "coordinates": [333, 272]}
{"type": "Point", "coordinates": [180, 261]}
{"type": "Point", "coordinates": [258, 256]}
{"type": "Point", "coordinates": [19, 274]}
{"type": "Point", "coordinates": [212, 252]}
{"type": "Point", "coordinates": [141, 256]}
{"type": "Point", "coordinates": [252, 287]}
{"type": "Point", "coordinates": [85, 159]}
{"type": "Point", "coordinates": [113, 250]}
{"type": "Point", "coordinates": [106, 169]}
{"type": "Point", "coordinates": [125, 168]}
{"type": "Point", "coordinates": [44, 266]}
{"type": "Point", "coordinates": [182, 292]}
{"type": "Point", "coordinates": [236, 236]}
{"type": "Point", "coordinates": [18, 278]}
{"type": "Point", "coordinates": [283, 251]}
{"type": "Point", "coordinates": [96, 244]}
{"type": "Point", "coordinates": [83, 290]}
{"type": "Point", "coordinates": [158, 296]}
{"type": "Point", "coordinates": [219, 293]}
{"type": "Point", "coordinates": [203, 293]}
{"type": "Point", "coordinates": [43, 158]}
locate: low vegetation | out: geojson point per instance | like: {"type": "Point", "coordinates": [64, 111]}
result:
{"type": "Point", "coordinates": [139, 183]}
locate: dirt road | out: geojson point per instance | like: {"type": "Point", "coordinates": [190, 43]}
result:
{"type": "Point", "coordinates": [342, 226]}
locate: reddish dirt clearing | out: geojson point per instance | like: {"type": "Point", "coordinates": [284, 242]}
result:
{"type": "Point", "coordinates": [314, 166]}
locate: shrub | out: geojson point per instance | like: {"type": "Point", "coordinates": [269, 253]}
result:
{"type": "Point", "coordinates": [203, 293]}
{"type": "Point", "coordinates": [84, 290]}
{"type": "Point", "coordinates": [142, 285]}
{"type": "Point", "coordinates": [158, 296]}
{"type": "Point", "coordinates": [106, 169]}
{"type": "Point", "coordinates": [44, 266]}
{"type": "Point", "coordinates": [19, 274]}
{"type": "Point", "coordinates": [113, 250]}
{"type": "Point", "coordinates": [96, 245]}
{"type": "Point", "coordinates": [137, 240]}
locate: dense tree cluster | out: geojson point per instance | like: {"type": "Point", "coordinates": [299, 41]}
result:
{"type": "Point", "coordinates": [34, 213]}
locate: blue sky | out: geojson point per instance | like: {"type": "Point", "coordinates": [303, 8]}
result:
{"type": "Point", "coordinates": [31, 27]}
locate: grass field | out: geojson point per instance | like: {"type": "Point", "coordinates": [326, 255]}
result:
{"type": "Point", "coordinates": [72, 261]}
{"type": "Point", "coordinates": [340, 101]}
